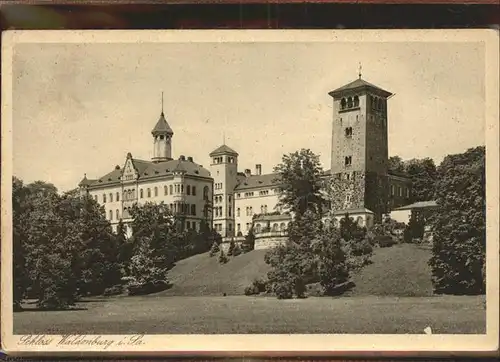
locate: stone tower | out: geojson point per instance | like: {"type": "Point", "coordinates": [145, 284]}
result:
{"type": "Point", "coordinates": [162, 139]}
{"type": "Point", "coordinates": [359, 160]}
{"type": "Point", "coordinates": [223, 168]}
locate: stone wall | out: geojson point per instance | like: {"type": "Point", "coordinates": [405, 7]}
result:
{"type": "Point", "coordinates": [347, 193]}
{"type": "Point", "coordinates": [269, 240]}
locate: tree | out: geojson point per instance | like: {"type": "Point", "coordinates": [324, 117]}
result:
{"type": "Point", "coordinates": [459, 224]}
{"type": "Point", "coordinates": [397, 164]}
{"type": "Point", "coordinates": [300, 176]}
{"type": "Point", "coordinates": [423, 174]}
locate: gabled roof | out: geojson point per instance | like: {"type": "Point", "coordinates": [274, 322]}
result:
{"type": "Point", "coordinates": [222, 150]}
{"type": "Point", "coordinates": [257, 181]}
{"type": "Point", "coordinates": [357, 84]}
{"type": "Point", "coordinates": [85, 181]}
{"type": "Point", "coordinates": [162, 126]}
{"type": "Point", "coordinates": [148, 170]}
{"type": "Point", "coordinates": [419, 205]}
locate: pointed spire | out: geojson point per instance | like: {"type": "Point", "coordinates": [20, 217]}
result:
{"type": "Point", "coordinates": [161, 102]}
{"type": "Point", "coordinates": [223, 137]}
{"type": "Point", "coordinates": [359, 70]}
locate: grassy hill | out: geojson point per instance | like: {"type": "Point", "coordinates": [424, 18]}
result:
{"type": "Point", "coordinates": [400, 270]}
{"type": "Point", "coordinates": [204, 275]}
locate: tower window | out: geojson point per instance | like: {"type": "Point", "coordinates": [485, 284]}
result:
{"type": "Point", "coordinates": [238, 212]}
{"type": "Point", "coordinates": [161, 137]}
{"type": "Point", "coordinates": [348, 132]}
{"type": "Point", "coordinates": [356, 101]}
{"type": "Point", "coordinates": [349, 102]}
{"type": "Point", "coordinates": [348, 160]}
{"type": "Point", "coordinates": [343, 103]}
{"type": "Point", "coordinates": [117, 214]}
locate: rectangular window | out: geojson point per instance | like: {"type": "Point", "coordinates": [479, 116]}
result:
{"type": "Point", "coordinates": [229, 211]}
{"type": "Point", "coordinates": [188, 225]}
{"type": "Point", "coordinates": [103, 198]}
{"type": "Point", "coordinates": [348, 160]}
{"type": "Point", "coordinates": [193, 190]}
{"type": "Point", "coordinates": [188, 190]}
{"type": "Point", "coordinates": [117, 196]}
{"type": "Point", "coordinates": [110, 197]}
{"type": "Point", "coordinates": [239, 227]}
{"type": "Point", "coordinates": [193, 210]}
{"type": "Point", "coordinates": [392, 190]}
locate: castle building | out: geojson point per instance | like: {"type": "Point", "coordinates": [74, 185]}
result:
{"type": "Point", "coordinates": [183, 185]}
{"type": "Point", "coordinates": [359, 181]}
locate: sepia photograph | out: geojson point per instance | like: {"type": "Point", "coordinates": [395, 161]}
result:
{"type": "Point", "coordinates": [250, 183]}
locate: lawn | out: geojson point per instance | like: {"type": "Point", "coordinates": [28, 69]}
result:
{"type": "Point", "coordinates": [240, 314]}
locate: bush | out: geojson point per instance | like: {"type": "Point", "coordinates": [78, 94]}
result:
{"type": "Point", "coordinates": [384, 241]}
{"type": "Point", "coordinates": [114, 290]}
{"type": "Point", "coordinates": [231, 248]}
{"type": "Point", "coordinates": [362, 247]}
{"type": "Point", "coordinates": [223, 259]}
{"type": "Point", "coordinates": [251, 290]}
{"type": "Point", "coordinates": [214, 249]}
{"type": "Point", "coordinates": [237, 250]}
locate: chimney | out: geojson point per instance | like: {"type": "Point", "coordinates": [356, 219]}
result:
{"type": "Point", "coordinates": [182, 158]}
{"type": "Point", "coordinates": [258, 169]}
{"type": "Point", "coordinates": [190, 159]}
{"type": "Point", "coordinates": [248, 173]}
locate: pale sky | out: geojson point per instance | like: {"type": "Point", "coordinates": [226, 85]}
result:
{"type": "Point", "coordinates": [80, 108]}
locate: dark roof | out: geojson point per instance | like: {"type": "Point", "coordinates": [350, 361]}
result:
{"type": "Point", "coordinates": [223, 149]}
{"type": "Point", "coordinates": [148, 169]}
{"type": "Point", "coordinates": [257, 181]}
{"type": "Point", "coordinates": [85, 181]}
{"type": "Point", "coordinates": [362, 210]}
{"type": "Point", "coordinates": [162, 126]}
{"type": "Point", "coordinates": [358, 83]}
{"type": "Point", "coordinates": [419, 205]}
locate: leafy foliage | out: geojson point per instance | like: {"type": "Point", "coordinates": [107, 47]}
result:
{"type": "Point", "coordinates": [223, 259]}
{"type": "Point", "coordinates": [300, 175]}
{"type": "Point", "coordinates": [249, 243]}
{"type": "Point", "coordinates": [214, 249]}
{"type": "Point", "coordinates": [423, 174]}
{"type": "Point", "coordinates": [459, 225]}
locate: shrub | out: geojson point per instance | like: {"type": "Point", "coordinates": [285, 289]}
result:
{"type": "Point", "coordinates": [114, 290]}
{"type": "Point", "coordinates": [223, 259]}
{"type": "Point", "coordinates": [251, 290]}
{"type": "Point", "coordinates": [237, 250]}
{"type": "Point", "coordinates": [362, 247]}
{"type": "Point", "coordinates": [231, 248]}
{"type": "Point", "coordinates": [214, 249]}
{"type": "Point", "coordinates": [384, 241]}
{"type": "Point", "coordinates": [249, 243]}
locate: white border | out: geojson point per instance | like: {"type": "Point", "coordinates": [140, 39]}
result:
{"type": "Point", "coordinates": [300, 343]}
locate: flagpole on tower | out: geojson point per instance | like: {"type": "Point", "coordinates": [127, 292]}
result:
{"type": "Point", "coordinates": [359, 70]}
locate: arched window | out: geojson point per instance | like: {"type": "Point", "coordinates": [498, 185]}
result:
{"type": "Point", "coordinates": [261, 209]}
{"type": "Point", "coordinates": [165, 190]}
{"type": "Point", "coordinates": [349, 102]}
{"type": "Point", "coordinates": [282, 226]}
{"type": "Point", "coordinates": [238, 212]}
{"type": "Point", "coordinates": [117, 196]}
{"type": "Point", "coordinates": [265, 209]}
{"type": "Point", "coordinates": [275, 227]}
{"type": "Point", "coordinates": [257, 228]}
{"type": "Point", "coordinates": [156, 191]}
{"type": "Point", "coordinates": [359, 220]}
{"type": "Point", "coordinates": [95, 198]}
{"type": "Point", "coordinates": [356, 101]}
{"type": "Point", "coordinates": [110, 214]}
{"type": "Point", "coordinates": [342, 103]}
{"type": "Point", "coordinates": [171, 189]}
{"type": "Point", "coordinates": [149, 192]}
{"type": "Point", "coordinates": [103, 198]}
{"type": "Point", "coordinates": [188, 190]}
{"type": "Point", "coordinates": [117, 214]}
{"type": "Point", "coordinates": [205, 193]}
{"type": "Point", "coordinates": [141, 191]}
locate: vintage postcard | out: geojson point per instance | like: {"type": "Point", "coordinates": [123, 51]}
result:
{"type": "Point", "coordinates": [214, 192]}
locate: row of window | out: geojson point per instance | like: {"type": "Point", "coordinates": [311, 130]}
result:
{"type": "Point", "coordinates": [350, 102]}
{"type": "Point", "coordinates": [218, 185]}
{"type": "Point", "coordinates": [400, 191]}
{"type": "Point", "coordinates": [187, 209]}
{"type": "Point", "coordinates": [218, 227]}
{"type": "Point", "coordinates": [221, 159]}
{"type": "Point", "coordinates": [130, 195]}
{"type": "Point", "coordinates": [218, 199]}
{"type": "Point", "coordinates": [218, 211]}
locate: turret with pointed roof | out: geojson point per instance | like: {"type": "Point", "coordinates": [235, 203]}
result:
{"type": "Point", "coordinates": [162, 139]}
